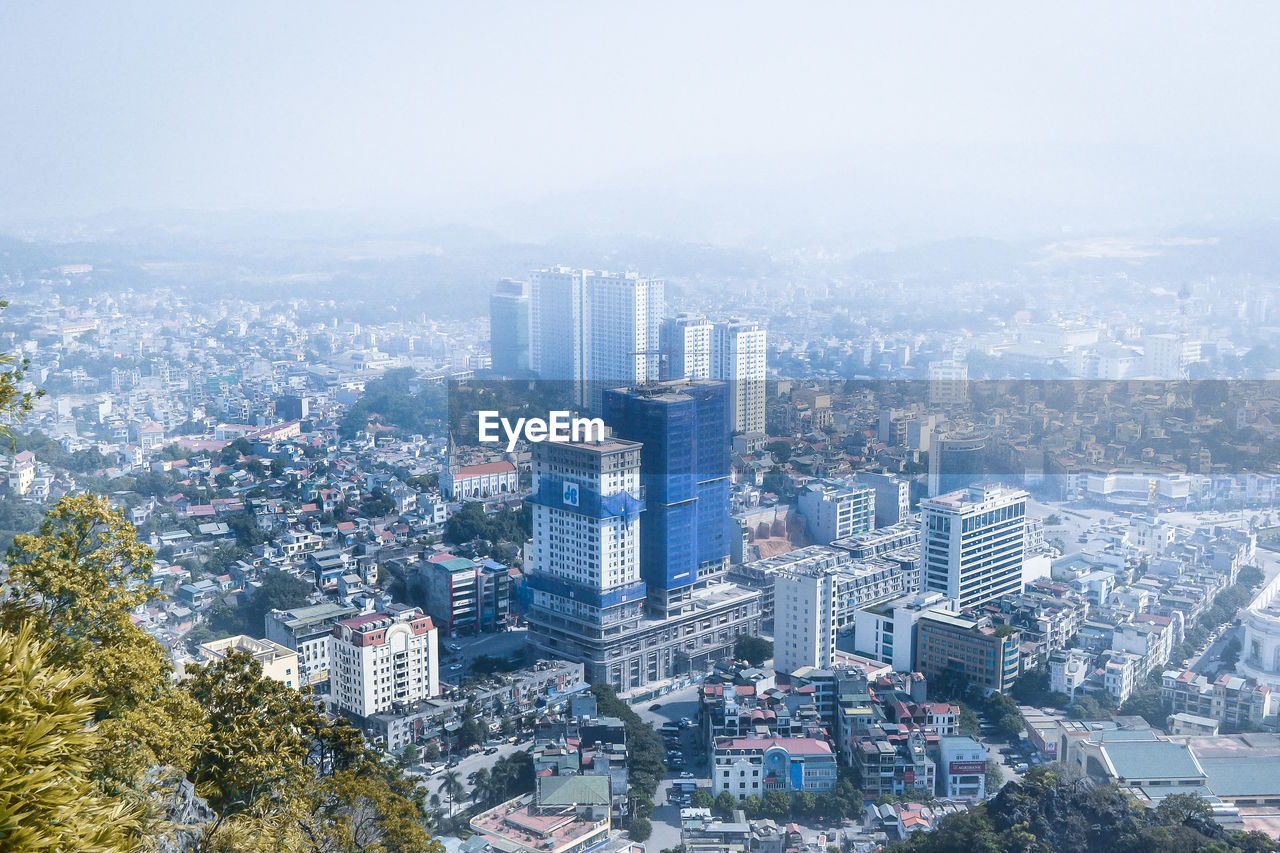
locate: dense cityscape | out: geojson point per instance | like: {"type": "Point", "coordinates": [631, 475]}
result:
{"type": "Point", "coordinates": [803, 592]}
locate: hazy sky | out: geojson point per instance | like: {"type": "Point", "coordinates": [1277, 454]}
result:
{"type": "Point", "coordinates": [455, 107]}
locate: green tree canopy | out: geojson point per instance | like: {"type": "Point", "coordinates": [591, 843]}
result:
{"type": "Point", "coordinates": [754, 650]}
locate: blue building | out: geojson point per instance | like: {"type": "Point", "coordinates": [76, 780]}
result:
{"type": "Point", "coordinates": [683, 426]}
{"type": "Point", "coordinates": [509, 328]}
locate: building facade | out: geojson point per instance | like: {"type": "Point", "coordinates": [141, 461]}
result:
{"type": "Point", "coordinates": [972, 543]}
{"type": "Point", "coordinates": [893, 496]}
{"type": "Point", "coordinates": [963, 765]}
{"type": "Point", "coordinates": [509, 328]}
{"type": "Point", "coordinates": [309, 632]}
{"type": "Point", "coordinates": [956, 461]}
{"type": "Point", "coordinates": [458, 482]}
{"type": "Point", "coordinates": [588, 595]}
{"type": "Point", "coordinates": [968, 651]}
{"type": "Point", "coordinates": [683, 429]}
{"type": "Point", "coordinates": [804, 619]}
{"type": "Point", "coordinates": [754, 766]}
{"type": "Point", "coordinates": [595, 330]}
{"type": "Point", "coordinates": [278, 662]}
{"type": "Point", "coordinates": [380, 659]}
{"type": "Point", "coordinates": [738, 358]}
{"type": "Point", "coordinates": [833, 511]}
{"type": "Point", "coordinates": [685, 341]}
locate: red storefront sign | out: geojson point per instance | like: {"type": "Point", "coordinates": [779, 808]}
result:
{"type": "Point", "coordinates": [964, 768]}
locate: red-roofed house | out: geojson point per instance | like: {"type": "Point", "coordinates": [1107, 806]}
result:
{"type": "Point", "coordinates": [479, 481]}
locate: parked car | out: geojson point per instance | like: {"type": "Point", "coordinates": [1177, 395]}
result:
{"type": "Point", "coordinates": [655, 707]}
{"type": "Point", "coordinates": [1020, 767]}
{"type": "Point", "coordinates": [491, 750]}
{"type": "Point", "coordinates": [685, 774]}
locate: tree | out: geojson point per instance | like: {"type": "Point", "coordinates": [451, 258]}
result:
{"type": "Point", "coordinates": [725, 804]}
{"type": "Point", "coordinates": [640, 829]}
{"type": "Point", "coordinates": [968, 722]}
{"type": "Point", "coordinates": [804, 803]}
{"type": "Point", "coordinates": [451, 788]}
{"type": "Point", "coordinates": [995, 776]}
{"type": "Point", "coordinates": [1088, 708]}
{"type": "Point", "coordinates": [1254, 841]}
{"type": "Point", "coordinates": [409, 755]}
{"type": "Point", "coordinates": [431, 752]}
{"type": "Point", "coordinates": [241, 760]}
{"type": "Point", "coordinates": [366, 808]}
{"type": "Point", "coordinates": [279, 591]}
{"type": "Point", "coordinates": [470, 733]}
{"type": "Point", "coordinates": [1010, 725]}
{"type": "Point", "coordinates": [753, 650]}
{"type": "Point", "coordinates": [776, 805]}
{"type": "Point", "coordinates": [1230, 654]}
{"type": "Point", "coordinates": [1179, 808]}
{"type": "Point", "coordinates": [780, 449]}
{"type": "Point", "coordinates": [702, 799]}
{"type": "Point", "coordinates": [75, 584]}
{"type": "Point", "coordinates": [830, 808]}
{"type": "Point", "coordinates": [1146, 702]}
{"type": "Point", "coordinates": [482, 788]}
{"type": "Point", "coordinates": [48, 799]}
{"type": "Point", "coordinates": [645, 768]}
{"type": "Point", "coordinates": [277, 772]}
{"type": "Point", "coordinates": [13, 402]}
{"type": "Point", "coordinates": [1250, 577]}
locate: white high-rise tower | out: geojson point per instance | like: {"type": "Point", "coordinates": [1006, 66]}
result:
{"type": "Point", "coordinates": [738, 358]}
{"type": "Point", "coordinates": [595, 329]}
{"type": "Point", "coordinates": [972, 543]}
{"type": "Point", "coordinates": [686, 342]}
{"type": "Point", "coordinates": [585, 573]}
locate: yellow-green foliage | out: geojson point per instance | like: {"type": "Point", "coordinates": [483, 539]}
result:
{"type": "Point", "coordinates": [48, 799]}
{"type": "Point", "coordinates": [75, 751]}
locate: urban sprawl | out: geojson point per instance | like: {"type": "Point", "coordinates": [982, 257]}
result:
{"type": "Point", "coordinates": [816, 584]}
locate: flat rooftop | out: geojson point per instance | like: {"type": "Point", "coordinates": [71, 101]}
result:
{"type": "Point", "coordinates": [520, 825]}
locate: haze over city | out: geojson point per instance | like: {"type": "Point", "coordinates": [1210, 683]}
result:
{"type": "Point", "coordinates": [721, 122]}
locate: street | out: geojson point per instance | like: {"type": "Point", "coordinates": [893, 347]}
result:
{"type": "Point", "coordinates": [501, 644]}
{"type": "Point", "coordinates": [1207, 663]}
{"type": "Point", "coordinates": [467, 766]}
{"type": "Point", "coordinates": [671, 708]}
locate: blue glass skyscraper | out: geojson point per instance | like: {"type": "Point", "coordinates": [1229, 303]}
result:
{"type": "Point", "coordinates": [684, 469]}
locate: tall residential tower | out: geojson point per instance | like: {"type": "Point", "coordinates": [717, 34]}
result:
{"type": "Point", "coordinates": [509, 327]}
{"type": "Point", "coordinates": [738, 358]}
{"type": "Point", "coordinates": [684, 468]}
{"type": "Point", "coordinates": [586, 580]}
{"type": "Point", "coordinates": [594, 329]}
